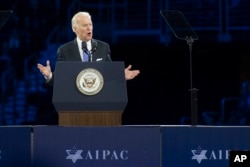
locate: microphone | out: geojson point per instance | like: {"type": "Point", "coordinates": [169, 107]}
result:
{"type": "Point", "coordinates": [94, 46]}
{"type": "Point", "coordinates": [84, 46]}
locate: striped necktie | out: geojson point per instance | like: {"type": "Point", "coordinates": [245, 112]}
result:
{"type": "Point", "coordinates": [85, 52]}
{"type": "Point", "coordinates": [85, 56]}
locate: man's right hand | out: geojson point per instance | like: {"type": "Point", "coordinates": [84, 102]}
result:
{"type": "Point", "coordinates": [45, 70]}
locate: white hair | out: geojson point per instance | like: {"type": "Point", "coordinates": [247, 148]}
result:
{"type": "Point", "coordinates": [74, 20]}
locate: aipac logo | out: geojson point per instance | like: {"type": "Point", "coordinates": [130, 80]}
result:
{"type": "Point", "coordinates": [74, 154]}
{"type": "Point", "coordinates": [82, 154]}
{"type": "Point", "coordinates": [199, 154]}
{"type": "Point", "coordinates": [203, 154]}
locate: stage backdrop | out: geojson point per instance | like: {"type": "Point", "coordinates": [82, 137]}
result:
{"type": "Point", "coordinates": [97, 146]}
{"type": "Point", "coordinates": [15, 146]}
{"type": "Point", "coordinates": [202, 146]}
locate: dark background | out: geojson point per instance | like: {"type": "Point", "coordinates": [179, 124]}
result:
{"type": "Point", "coordinates": [137, 35]}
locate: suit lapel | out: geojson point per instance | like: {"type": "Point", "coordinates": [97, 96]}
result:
{"type": "Point", "coordinates": [75, 52]}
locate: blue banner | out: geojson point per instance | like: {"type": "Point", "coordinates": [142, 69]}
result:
{"type": "Point", "coordinates": [202, 146]}
{"type": "Point", "coordinates": [15, 146]}
{"type": "Point", "coordinates": [97, 146]}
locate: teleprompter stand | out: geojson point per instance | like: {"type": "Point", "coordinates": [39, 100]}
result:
{"type": "Point", "coordinates": [182, 30]}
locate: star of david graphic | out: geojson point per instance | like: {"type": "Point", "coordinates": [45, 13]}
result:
{"type": "Point", "coordinates": [74, 155]}
{"type": "Point", "coordinates": [199, 155]}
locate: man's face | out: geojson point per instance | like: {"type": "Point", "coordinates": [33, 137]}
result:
{"type": "Point", "coordinates": [84, 28]}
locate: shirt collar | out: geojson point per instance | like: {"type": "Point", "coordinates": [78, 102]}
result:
{"type": "Point", "coordinates": [79, 43]}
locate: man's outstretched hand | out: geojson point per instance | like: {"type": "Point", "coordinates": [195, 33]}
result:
{"type": "Point", "coordinates": [45, 70]}
{"type": "Point", "coordinates": [131, 74]}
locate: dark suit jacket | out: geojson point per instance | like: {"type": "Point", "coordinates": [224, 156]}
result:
{"type": "Point", "coordinates": [70, 52]}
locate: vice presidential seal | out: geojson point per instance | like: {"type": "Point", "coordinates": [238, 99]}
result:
{"type": "Point", "coordinates": [89, 81]}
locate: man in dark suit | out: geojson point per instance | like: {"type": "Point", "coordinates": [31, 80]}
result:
{"type": "Point", "coordinates": [74, 50]}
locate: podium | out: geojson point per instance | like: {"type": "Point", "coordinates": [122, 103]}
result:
{"type": "Point", "coordinates": [89, 94]}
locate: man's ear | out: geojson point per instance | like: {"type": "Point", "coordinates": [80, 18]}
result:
{"type": "Point", "coordinates": [74, 29]}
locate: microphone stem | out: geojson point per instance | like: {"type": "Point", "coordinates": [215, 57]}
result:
{"type": "Point", "coordinates": [90, 55]}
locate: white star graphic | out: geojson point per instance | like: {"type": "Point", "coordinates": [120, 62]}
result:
{"type": "Point", "coordinates": [74, 155]}
{"type": "Point", "coordinates": [199, 155]}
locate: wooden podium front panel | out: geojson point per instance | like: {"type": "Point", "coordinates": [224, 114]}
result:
{"type": "Point", "coordinates": [90, 118]}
